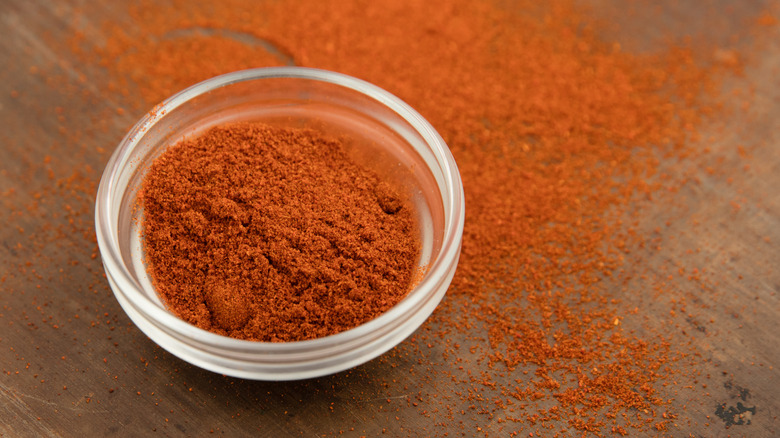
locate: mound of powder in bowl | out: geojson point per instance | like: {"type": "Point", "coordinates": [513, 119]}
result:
{"type": "Point", "coordinates": [274, 234]}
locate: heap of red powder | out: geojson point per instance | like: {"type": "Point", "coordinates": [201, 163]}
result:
{"type": "Point", "coordinates": [274, 234]}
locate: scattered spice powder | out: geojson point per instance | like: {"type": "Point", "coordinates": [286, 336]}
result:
{"type": "Point", "coordinates": [556, 131]}
{"type": "Point", "coordinates": [274, 234]}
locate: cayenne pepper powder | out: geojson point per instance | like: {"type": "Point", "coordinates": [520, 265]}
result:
{"type": "Point", "coordinates": [556, 130]}
{"type": "Point", "coordinates": [548, 397]}
{"type": "Point", "coordinates": [274, 234]}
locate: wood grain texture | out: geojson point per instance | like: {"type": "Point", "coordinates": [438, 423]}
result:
{"type": "Point", "coordinates": [74, 365]}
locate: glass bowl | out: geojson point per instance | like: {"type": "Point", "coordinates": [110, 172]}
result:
{"type": "Point", "coordinates": [395, 141]}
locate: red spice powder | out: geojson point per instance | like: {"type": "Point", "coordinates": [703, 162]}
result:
{"type": "Point", "coordinates": [554, 324]}
{"type": "Point", "coordinates": [556, 132]}
{"type": "Point", "coordinates": [274, 234]}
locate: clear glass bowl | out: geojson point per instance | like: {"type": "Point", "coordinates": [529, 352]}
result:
{"type": "Point", "coordinates": [392, 139]}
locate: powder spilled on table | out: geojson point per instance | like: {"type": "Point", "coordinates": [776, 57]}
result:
{"type": "Point", "coordinates": [556, 132]}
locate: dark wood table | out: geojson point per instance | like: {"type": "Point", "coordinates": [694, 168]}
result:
{"type": "Point", "coordinates": [74, 365]}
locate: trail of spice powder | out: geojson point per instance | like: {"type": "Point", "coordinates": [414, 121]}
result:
{"type": "Point", "coordinates": [274, 234]}
{"type": "Point", "coordinates": [555, 131]}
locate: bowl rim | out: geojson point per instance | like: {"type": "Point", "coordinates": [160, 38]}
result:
{"type": "Point", "coordinates": [454, 215]}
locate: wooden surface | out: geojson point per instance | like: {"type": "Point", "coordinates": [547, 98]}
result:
{"type": "Point", "coordinates": [74, 365]}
